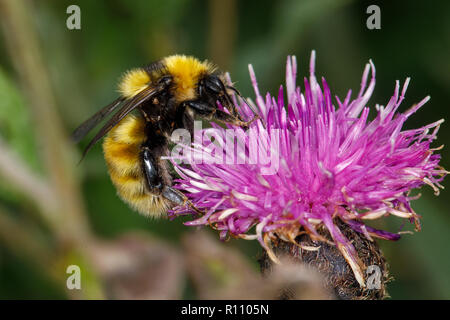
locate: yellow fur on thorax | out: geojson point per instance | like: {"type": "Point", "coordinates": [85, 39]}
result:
{"type": "Point", "coordinates": [121, 149]}
{"type": "Point", "coordinates": [186, 72]}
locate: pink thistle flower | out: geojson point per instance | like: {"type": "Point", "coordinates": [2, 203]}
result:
{"type": "Point", "coordinates": [333, 162]}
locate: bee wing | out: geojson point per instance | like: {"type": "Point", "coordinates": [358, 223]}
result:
{"type": "Point", "coordinates": [127, 107]}
{"type": "Point", "coordinates": [83, 129]}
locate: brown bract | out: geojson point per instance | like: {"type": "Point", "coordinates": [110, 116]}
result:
{"type": "Point", "coordinates": [331, 264]}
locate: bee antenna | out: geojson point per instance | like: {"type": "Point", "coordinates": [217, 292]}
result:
{"type": "Point", "coordinates": [240, 96]}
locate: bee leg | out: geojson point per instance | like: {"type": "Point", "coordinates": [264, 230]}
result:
{"type": "Point", "coordinates": [179, 198]}
{"type": "Point", "coordinates": [152, 171]}
{"type": "Point", "coordinates": [188, 123]}
{"type": "Point", "coordinates": [156, 183]}
{"type": "Point", "coordinates": [209, 112]}
{"type": "Point", "coordinates": [203, 109]}
{"type": "Point", "coordinates": [228, 118]}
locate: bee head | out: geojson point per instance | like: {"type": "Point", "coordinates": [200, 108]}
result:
{"type": "Point", "coordinates": [211, 86]}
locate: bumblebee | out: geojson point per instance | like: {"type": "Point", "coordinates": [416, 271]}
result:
{"type": "Point", "coordinates": [167, 94]}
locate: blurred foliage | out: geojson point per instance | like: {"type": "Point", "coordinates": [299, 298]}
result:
{"type": "Point", "coordinates": [117, 35]}
{"type": "Point", "coordinates": [16, 131]}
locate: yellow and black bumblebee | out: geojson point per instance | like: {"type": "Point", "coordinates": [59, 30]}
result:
{"type": "Point", "coordinates": [168, 94]}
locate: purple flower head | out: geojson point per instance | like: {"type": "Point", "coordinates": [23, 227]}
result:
{"type": "Point", "coordinates": [310, 160]}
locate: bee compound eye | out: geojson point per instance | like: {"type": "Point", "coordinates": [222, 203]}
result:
{"type": "Point", "coordinates": [214, 84]}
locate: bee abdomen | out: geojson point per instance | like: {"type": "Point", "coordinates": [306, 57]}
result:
{"type": "Point", "coordinates": [122, 149]}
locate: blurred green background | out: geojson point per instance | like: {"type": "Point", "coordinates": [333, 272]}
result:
{"type": "Point", "coordinates": [83, 67]}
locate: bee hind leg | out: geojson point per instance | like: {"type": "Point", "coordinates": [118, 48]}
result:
{"type": "Point", "coordinates": [228, 118]}
{"type": "Point", "coordinates": [160, 186]}
{"type": "Point", "coordinates": [179, 198]}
